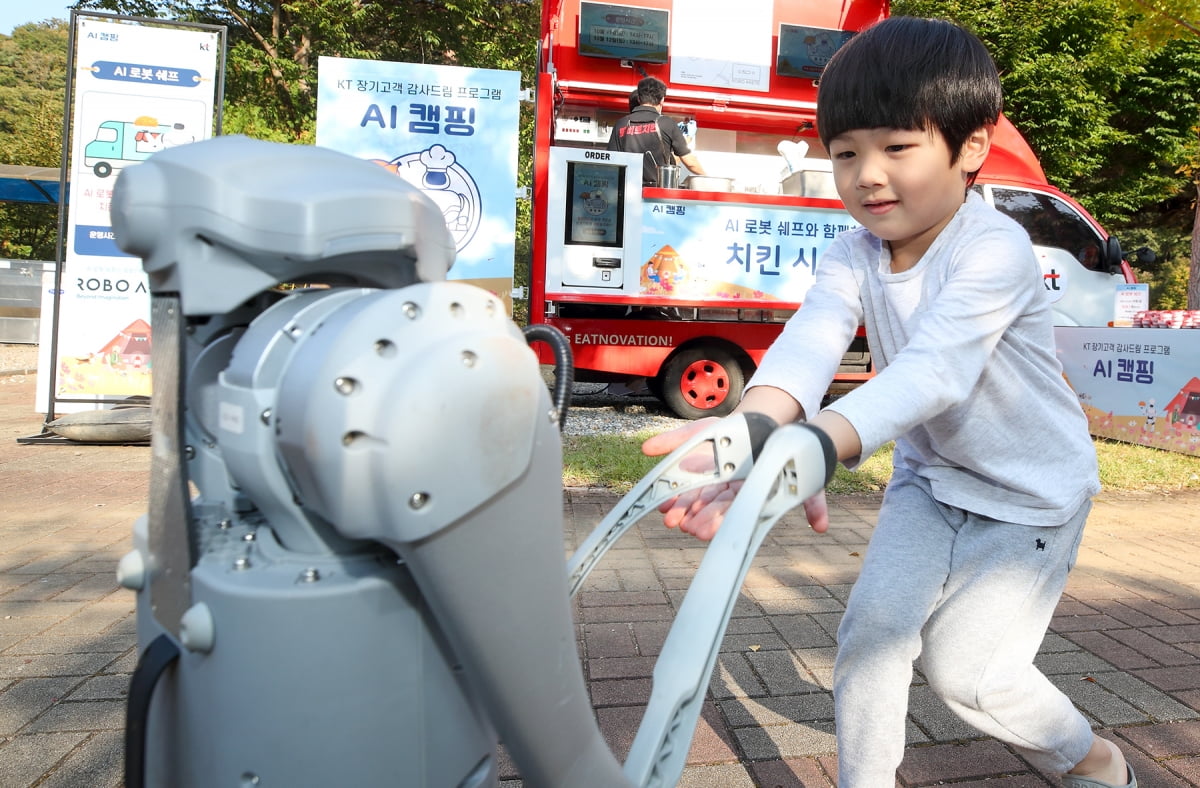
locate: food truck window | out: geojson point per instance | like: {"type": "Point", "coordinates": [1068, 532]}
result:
{"type": "Point", "coordinates": [804, 51]}
{"type": "Point", "coordinates": [623, 32]}
{"type": "Point", "coordinates": [595, 204]}
{"type": "Point", "coordinates": [1052, 222]}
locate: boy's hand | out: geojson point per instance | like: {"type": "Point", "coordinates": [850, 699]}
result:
{"type": "Point", "coordinates": [700, 512]}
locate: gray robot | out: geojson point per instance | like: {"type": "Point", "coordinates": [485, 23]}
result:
{"type": "Point", "coordinates": [351, 569]}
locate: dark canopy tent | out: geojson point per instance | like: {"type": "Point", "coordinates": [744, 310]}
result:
{"type": "Point", "coordinates": [29, 184]}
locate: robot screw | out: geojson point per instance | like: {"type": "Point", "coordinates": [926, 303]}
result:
{"type": "Point", "coordinates": [345, 386]}
{"type": "Point", "coordinates": [418, 500]}
{"type": "Point", "coordinates": [310, 575]}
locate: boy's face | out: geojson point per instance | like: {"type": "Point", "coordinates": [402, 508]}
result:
{"type": "Point", "coordinates": [900, 184]}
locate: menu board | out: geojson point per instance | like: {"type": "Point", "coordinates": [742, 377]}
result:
{"type": "Point", "coordinates": [804, 51]}
{"type": "Point", "coordinates": [623, 32]}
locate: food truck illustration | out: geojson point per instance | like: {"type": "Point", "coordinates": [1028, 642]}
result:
{"type": "Point", "coordinates": [118, 143]}
{"type": "Point", "coordinates": [687, 287]}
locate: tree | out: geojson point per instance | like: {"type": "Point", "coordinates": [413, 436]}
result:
{"type": "Point", "coordinates": [1109, 105]}
{"type": "Point", "coordinates": [1167, 21]}
{"type": "Point", "coordinates": [33, 66]}
{"type": "Point", "coordinates": [274, 46]}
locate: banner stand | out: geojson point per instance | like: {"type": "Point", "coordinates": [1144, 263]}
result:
{"type": "Point", "coordinates": [137, 80]}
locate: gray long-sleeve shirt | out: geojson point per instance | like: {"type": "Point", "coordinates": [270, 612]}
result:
{"type": "Point", "coordinates": [967, 383]}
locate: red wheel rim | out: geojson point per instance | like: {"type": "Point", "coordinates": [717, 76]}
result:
{"type": "Point", "coordinates": [704, 385]}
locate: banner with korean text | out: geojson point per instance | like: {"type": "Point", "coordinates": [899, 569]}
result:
{"type": "Point", "coordinates": [137, 90]}
{"type": "Point", "coordinates": [1138, 385]}
{"type": "Point", "coordinates": [451, 132]}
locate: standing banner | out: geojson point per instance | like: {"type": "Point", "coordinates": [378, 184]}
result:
{"type": "Point", "coordinates": [450, 131]}
{"type": "Point", "coordinates": [137, 89]}
{"type": "Point", "coordinates": [1137, 385]}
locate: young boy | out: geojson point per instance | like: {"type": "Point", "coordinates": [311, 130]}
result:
{"type": "Point", "coordinates": [994, 467]}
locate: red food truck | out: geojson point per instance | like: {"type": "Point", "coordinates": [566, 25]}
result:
{"type": "Point", "coordinates": [686, 287]}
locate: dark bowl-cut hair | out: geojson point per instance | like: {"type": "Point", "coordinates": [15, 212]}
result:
{"type": "Point", "coordinates": [913, 74]}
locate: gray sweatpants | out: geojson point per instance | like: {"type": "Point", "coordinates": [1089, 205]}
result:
{"type": "Point", "coordinates": [973, 597]}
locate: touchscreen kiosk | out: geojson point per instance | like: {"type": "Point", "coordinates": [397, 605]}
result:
{"type": "Point", "coordinates": [595, 203]}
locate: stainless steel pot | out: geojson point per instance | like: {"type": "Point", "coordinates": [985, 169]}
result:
{"type": "Point", "coordinates": [709, 183]}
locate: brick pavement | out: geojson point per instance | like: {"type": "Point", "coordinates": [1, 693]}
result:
{"type": "Point", "coordinates": [1125, 644]}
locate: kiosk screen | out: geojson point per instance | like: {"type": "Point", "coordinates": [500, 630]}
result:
{"type": "Point", "coordinates": [595, 204]}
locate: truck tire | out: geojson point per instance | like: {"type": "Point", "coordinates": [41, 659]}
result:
{"type": "Point", "coordinates": [702, 381]}
{"type": "Point", "coordinates": [102, 169]}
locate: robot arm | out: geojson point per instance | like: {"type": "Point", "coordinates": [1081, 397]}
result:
{"type": "Point", "coordinates": [324, 426]}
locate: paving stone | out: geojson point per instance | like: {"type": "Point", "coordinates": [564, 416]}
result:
{"type": "Point", "coordinates": [974, 759]}
{"type": "Point", "coordinates": [24, 759]}
{"type": "Point", "coordinates": [1130, 622]}
{"type": "Point", "coordinates": [1165, 740]}
{"type": "Point", "coordinates": [735, 678]}
{"type": "Point", "coordinates": [51, 665]}
{"type": "Point", "coordinates": [109, 687]}
{"type": "Point", "coordinates": [650, 635]}
{"type": "Point", "coordinates": [1110, 650]}
{"type": "Point", "coordinates": [720, 776]}
{"type": "Point", "coordinates": [99, 763]}
{"type": "Point", "coordinates": [620, 692]}
{"type": "Point", "coordinates": [790, 773]}
{"type": "Point", "coordinates": [745, 712]}
{"type": "Point", "coordinates": [1170, 679]}
{"type": "Point", "coordinates": [24, 700]}
{"type": "Point", "coordinates": [935, 718]}
{"type": "Point", "coordinates": [609, 640]}
{"type": "Point", "coordinates": [1160, 706]}
{"type": "Point", "coordinates": [81, 716]}
{"type": "Point", "coordinates": [781, 671]}
{"type": "Point", "coordinates": [1103, 706]}
{"type": "Point", "coordinates": [785, 741]}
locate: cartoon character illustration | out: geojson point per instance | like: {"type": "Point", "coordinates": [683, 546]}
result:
{"type": "Point", "coordinates": [664, 271]}
{"type": "Point", "coordinates": [594, 202]}
{"type": "Point", "coordinates": [821, 46]}
{"type": "Point", "coordinates": [437, 172]}
{"type": "Point", "coordinates": [1149, 410]}
{"type": "Point", "coordinates": [118, 143]}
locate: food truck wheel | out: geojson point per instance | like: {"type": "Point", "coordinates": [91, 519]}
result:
{"type": "Point", "coordinates": [102, 169]}
{"type": "Point", "coordinates": [702, 381]}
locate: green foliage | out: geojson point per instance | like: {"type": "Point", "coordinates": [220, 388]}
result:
{"type": "Point", "coordinates": [273, 50]}
{"type": "Point", "coordinates": [616, 462]}
{"type": "Point", "coordinates": [274, 47]}
{"type": "Point", "coordinates": [33, 64]}
{"type": "Point", "coordinates": [1108, 95]}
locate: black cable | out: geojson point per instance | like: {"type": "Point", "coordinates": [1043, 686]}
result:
{"type": "Point", "coordinates": [564, 366]}
{"type": "Point", "coordinates": [157, 657]}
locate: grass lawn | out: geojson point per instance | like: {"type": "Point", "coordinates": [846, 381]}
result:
{"type": "Point", "coordinates": [616, 462]}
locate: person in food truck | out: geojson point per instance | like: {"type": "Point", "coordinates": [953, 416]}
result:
{"type": "Point", "coordinates": [647, 131]}
{"type": "Point", "coordinates": [994, 469]}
